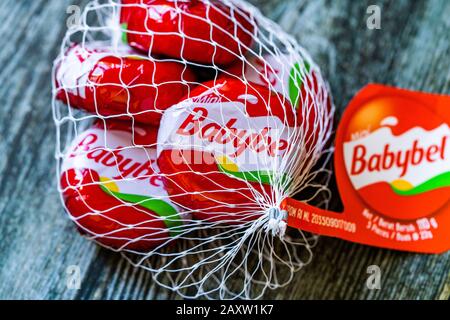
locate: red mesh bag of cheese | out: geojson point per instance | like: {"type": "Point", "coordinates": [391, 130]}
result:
{"type": "Point", "coordinates": [245, 119]}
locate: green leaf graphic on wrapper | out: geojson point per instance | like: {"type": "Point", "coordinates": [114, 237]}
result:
{"type": "Point", "coordinates": [124, 27]}
{"type": "Point", "coordinates": [439, 181]}
{"type": "Point", "coordinates": [170, 215]}
{"type": "Point", "coordinates": [296, 81]}
{"type": "Point", "coordinates": [226, 166]}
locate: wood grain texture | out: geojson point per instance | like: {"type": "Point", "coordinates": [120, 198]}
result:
{"type": "Point", "coordinates": [38, 242]}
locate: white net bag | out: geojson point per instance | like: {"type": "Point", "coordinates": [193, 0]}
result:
{"type": "Point", "coordinates": [182, 126]}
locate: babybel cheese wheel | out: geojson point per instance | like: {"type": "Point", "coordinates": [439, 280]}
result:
{"type": "Point", "coordinates": [220, 150]}
{"type": "Point", "coordinates": [294, 78]}
{"type": "Point", "coordinates": [199, 31]}
{"type": "Point", "coordinates": [283, 74]}
{"type": "Point", "coordinates": [112, 192]}
{"type": "Point", "coordinates": [108, 82]}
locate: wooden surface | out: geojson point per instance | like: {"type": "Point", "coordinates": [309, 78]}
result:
{"type": "Point", "coordinates": [37, 241]}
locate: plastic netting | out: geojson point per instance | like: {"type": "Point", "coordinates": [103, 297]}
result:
{"type": "Point", "coordinates": [182, 126]}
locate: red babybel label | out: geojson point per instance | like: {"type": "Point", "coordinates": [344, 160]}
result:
{"type": "Point", "coordinates": [404, 157]}
{"type": "Point", "coordinates": [392, 164]}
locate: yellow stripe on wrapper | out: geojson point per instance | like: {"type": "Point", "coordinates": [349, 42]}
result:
{"type": "Point", "coordinates": [165, 210]}
{"type": "Point", "coordinates": [402, 185]}
{"type": "Point", "coordinates": [227, 164]}
{"type": "Point", "coordinates": [109, 184]}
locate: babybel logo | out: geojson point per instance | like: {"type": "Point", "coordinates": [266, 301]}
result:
{"type": "Point", "coordinates": [116, 159]}
{"type": "Point", "coordinates": [198, 124]}
{"type": "Point", "coordinates": [390, 159]}
{"type": "Point", "coordinates": [397, 157]}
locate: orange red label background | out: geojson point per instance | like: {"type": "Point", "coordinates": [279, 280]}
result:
{"type": "Point", "coordinates": [375, 215]}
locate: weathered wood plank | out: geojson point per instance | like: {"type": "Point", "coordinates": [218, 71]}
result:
{"type": "Point", "coordinates": [38, 242]}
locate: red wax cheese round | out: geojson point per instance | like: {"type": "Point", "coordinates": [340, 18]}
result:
{"type": "Point", "coordinates": [292, 77]}
{"type": "Point", "coordinates": [199, 31]}
{"type": "Point", "coordinates": [103, 81]}
{"type": "Point", "coordinates": [112, 192]}
{"type": "Point", "coordinates": [221, 150]}
{"type": "Point", "coordinates": [396, 153]}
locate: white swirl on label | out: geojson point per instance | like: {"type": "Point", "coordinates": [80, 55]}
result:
{"type": "Point", "coordinates": [389, 122]}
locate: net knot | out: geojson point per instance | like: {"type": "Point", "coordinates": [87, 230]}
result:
{"type": "Point", "coordinates": [277, 222]}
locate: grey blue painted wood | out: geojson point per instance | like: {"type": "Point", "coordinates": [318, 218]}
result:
{"type": "Point", "coordinates": [38, 243]}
